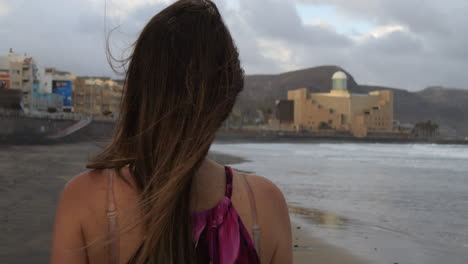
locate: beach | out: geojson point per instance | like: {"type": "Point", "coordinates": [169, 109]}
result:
{"type": "Point", "coordinates": [349, 203]}
{"type": "Point", "coordinates": [31, 178]}
{"type": "Point", "coordinates": [374, 203]}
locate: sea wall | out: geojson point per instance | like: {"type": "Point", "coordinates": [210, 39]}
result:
{"type": "Point", "coordinates": [25, 130]}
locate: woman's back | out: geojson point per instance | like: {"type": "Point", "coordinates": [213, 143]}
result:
{"type": "Point", "coordinates": [182, 80]}
{"type": "Point", "coordinates": [88, 196]}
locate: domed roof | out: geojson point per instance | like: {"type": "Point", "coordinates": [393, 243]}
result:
{"type": "Point", "coordinates": [339, 75]}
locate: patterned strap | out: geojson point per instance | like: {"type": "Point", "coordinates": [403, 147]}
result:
{"type": "Point", "coordinates": [112, 221]}
{"type": "Point", "coordinates": [229, 176]}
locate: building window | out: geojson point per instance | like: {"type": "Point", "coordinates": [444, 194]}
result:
{"type": "Point", "coordinates": [376, 108]}
{"type": "Point", "coordinates": [330, 122]}
{"type": "Point", "coordinates": [332, 111]}
{"type": "Point", "coordinates": [367, 113]}
{"type": "Point", "coordinates": [320, 106]}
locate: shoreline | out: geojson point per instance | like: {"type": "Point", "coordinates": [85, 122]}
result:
{"type": "Point", "coordinates": [26, 131]}
{"type": "Point", "coordinates": [225, 137]}
{"type": "Point", "coordinates": [32, 178]}
{"type": "Point", "coordinates": [306, 248]}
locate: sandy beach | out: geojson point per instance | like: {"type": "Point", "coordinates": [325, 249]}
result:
{"type": "Point", "coordinates": [308, 249]}
{"type": "Point", "coordinates": [31, 178]}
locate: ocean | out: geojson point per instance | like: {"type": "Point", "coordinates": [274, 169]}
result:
{"type": "Point", "coordinates": [407, 203]}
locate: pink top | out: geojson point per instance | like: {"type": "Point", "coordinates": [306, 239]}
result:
{"type": "Point", "coordinates": [219, 235]}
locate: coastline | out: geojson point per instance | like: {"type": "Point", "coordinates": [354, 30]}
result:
{"type": "Point", "coordinates": [230, 137]}
{"type": "Point", "coordinates": [32, 177]}
{"type": "Point", "coordinates": [306, 248]}
{"type": "Point", "coordinates": [27, 131]}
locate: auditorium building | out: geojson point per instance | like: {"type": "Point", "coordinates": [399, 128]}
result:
{"type": "Point", "coordinates": [339, 110]}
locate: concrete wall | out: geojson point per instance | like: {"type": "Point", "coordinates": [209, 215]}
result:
{"type": "Point", "coordinates": [16, 75]}
{"type": "Point", "coordinates": [24, 130]}
{"type": "Point", "coordinates": [381, 118]}
{"type": "Point", "coordinates": [299, 97]}
{"type": "Point", "coordinates": [338, 103]}
{"type": "Point", "coordinates": [24, 126]}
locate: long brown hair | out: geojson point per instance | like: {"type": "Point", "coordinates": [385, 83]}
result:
{"type": "Point", "coordinates": [182, 81]}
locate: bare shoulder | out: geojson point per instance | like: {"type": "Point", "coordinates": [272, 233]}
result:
{"type": "Point", "coordinates": [88, 191]}
{"type": "Point", "coordinates": [273, 218]}
{"type": "Point", "coordinates": [85, 185]}
{"type": "Point", "coordinates": [269, 199]}
{"type": "Point", "coordinates": [83, 194]}
{"type": "Point", "coordinates": [264, 188]}
{"type": "Point", "coordinates": [72, 208]}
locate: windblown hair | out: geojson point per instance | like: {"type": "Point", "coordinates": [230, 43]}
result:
{"type": "Point", "coordinates": [182, 81]}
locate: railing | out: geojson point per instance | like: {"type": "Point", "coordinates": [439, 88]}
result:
{"type": "Point", "coordinates": [58, 116]}
{"type": "Point", "coordinates": [6, 113]}
{"type": "Point", "coordinates": [71, 129]}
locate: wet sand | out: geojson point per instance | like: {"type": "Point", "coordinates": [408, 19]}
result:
{"type": "Point", "coordinates": [31, 178]}
{"type": "Point", "coordinates": [308, 249]}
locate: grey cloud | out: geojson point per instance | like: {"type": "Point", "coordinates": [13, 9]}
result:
{"type": "Point", "coordinates": [394, 44]}
{"type": "Point", "coordinates": [273, 18]}
{"type": "Point", "coordinates": [432, 52]}
{"type": "Point", "coordinates": [89, 24]}
{"type": "Point", "coordinates": [319, 36]}
{"type": "Point", "coordinates": [52, 32]}
{"type": "Point", "coordinates": [280, 20]}
{"type": "Point", "coordinates": [419, 16]}
{"type": "Point", "coordinates": [69, 35]}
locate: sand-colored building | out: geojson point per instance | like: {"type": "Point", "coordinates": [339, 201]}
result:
{"type": "Point", "coordinates": [97, 97]}
{"type": "Point", "coordinates": [19, 73]}
{"type": "Point", "coordinates": [341, 110]}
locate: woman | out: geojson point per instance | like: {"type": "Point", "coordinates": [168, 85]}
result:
{"type": "Point", "coordinates": [153, 196]}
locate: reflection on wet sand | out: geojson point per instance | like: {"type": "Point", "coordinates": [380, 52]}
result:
{"type": "Point", "coordinates": [310, 249]}
{"type": "Point", "coordinates": [318, 217]}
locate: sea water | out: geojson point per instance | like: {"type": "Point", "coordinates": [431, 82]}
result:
{"type": "Point", "coordinates": [384, 202]}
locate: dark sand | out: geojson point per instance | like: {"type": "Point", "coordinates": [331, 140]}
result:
{"type": "Point", "coordinates": [31, 178]}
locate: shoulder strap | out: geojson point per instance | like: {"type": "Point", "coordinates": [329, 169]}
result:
{"type": "Point", "coordinates": [112, 221]}
{"type": "Point", "coordinates": [229, 175]}
{"type": "Point", "coordinates": [253, 208]}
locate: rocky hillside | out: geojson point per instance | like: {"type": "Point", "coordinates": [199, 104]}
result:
{"type": "Point", "coordinates": [446, 107]}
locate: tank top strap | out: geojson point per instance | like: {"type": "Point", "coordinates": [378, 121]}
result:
{"type": "Point", "coordinates": [112, 223]}
{"type": "Point", "coordinates": [229, 176]}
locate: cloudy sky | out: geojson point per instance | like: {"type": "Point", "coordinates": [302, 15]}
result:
{"type": "Point", "coordinates": [410, 44]}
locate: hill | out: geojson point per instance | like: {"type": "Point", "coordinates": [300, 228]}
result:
{"type": "Point", "coordinates": [447, 107]}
